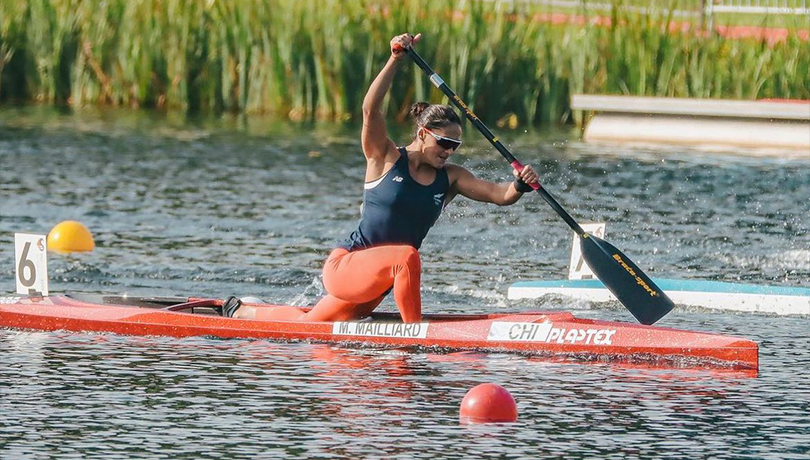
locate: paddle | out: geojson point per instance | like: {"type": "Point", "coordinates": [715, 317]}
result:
{"type": "Point", "coordinates": [634, 289]}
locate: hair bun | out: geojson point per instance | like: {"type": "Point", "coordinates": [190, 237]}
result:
{"type": "Point", "coordinates": [417, 109]}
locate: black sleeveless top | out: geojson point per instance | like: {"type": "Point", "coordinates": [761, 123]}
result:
{"type": "Point", "coordinates": [397, 209]}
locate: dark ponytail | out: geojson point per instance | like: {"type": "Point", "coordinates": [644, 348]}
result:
{"type": "Point", "coordinates": [433, 116]}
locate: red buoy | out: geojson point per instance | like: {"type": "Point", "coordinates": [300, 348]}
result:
{"type": "Point", "coordinates": [488, 403]}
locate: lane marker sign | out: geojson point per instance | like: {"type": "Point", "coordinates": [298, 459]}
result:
{"type": "Point", "coordinates": [31, 264]}
{"type": "Point", "coordinates": [579, 269]}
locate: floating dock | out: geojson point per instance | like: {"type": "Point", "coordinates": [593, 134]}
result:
{"type": "Point", "coordinates": [716, 295]}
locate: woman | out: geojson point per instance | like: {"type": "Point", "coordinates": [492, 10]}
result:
{"type": "Point", "coordinates": [406, 189]}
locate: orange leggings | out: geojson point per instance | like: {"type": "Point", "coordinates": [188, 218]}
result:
{"type": "Point", "coordinates": [358, 281]}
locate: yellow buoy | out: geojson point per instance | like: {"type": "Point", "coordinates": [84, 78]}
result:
{"type": "Point", "coordinates": [70, 236]}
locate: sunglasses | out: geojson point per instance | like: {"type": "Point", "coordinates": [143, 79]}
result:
{"type": "Point", "coordinates": [444, 142]}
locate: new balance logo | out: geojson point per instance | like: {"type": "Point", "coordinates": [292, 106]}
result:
{"type": "Point", "coordinates": [397, 179]}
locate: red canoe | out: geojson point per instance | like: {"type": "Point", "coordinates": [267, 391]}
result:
{"type": "Point", "coordinates": [538, 333]}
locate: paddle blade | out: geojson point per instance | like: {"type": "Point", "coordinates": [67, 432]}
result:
{"type": "Point", "coordinates": [634, 289]}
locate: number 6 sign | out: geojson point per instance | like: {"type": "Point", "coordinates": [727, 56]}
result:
{"type": "Point", "coordinates": [579, 269]}
{"type": "Point", "coordinates": [31, 264]}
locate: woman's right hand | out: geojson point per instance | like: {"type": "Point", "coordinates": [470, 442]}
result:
{"type": "Point", "coordinates": [400, 42]}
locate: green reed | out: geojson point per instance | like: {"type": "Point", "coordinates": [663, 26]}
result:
{"type": "Point", "coordinates": [309, 59]}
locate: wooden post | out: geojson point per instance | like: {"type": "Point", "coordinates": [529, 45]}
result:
{"type": "Point", "coordinates": [707, 15]}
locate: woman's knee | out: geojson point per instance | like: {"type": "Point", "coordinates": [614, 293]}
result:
{"type": "Point", "coordinates": [409, 256]}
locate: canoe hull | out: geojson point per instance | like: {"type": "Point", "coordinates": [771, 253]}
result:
{"type": "Point", "coordinates": [540, 333]}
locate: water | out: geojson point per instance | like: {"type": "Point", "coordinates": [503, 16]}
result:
{"type": "Point", "coordinates": [252, 207]}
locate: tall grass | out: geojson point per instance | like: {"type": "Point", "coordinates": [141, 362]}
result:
{"type": "Point", "coordinates": [307, 59]}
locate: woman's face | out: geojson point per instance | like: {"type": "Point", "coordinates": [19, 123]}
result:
{"type": "Point", "coordinates": [438, 143]}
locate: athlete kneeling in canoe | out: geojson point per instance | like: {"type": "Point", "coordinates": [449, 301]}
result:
{"type": "Point", "coordinates": [406, 189]}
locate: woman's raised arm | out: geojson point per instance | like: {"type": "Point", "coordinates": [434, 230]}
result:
{"type": "Point", "coordinates": [374, 136]}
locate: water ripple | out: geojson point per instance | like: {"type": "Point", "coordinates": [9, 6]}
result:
{"type": "Point", "coordinates": [231, 207]}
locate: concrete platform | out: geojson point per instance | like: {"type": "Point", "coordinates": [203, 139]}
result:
{"type": "Point", "coordinates": [783, 125]}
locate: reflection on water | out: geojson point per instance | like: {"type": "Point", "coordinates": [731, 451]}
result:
{"type": "Point", "coordinates": [119, 397]}
{"type": "Point", "coordinates": [219, 207]}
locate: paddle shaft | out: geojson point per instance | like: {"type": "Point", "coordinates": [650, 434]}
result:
{"type": "Point", "coordinates": [439, 83]}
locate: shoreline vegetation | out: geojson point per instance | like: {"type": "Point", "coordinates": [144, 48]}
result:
{"type": "Point", "coordinates": [314, 59]}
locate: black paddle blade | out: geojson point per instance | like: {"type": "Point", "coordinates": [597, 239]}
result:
{"type": "Point", "coordinates": [634, 289]}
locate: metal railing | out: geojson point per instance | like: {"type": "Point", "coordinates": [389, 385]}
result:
{"type": "Point", "coordinates": [786, 7]}
{"type": "Point", "coordinates": [758, 6]}
{"type": "Point", "coordinates": [706, 9]}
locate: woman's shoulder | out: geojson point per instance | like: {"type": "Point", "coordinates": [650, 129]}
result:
{"type": "Point", "coordinates": [391, 155]}
{"type": "Point", "coordinates": [454, 171]}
